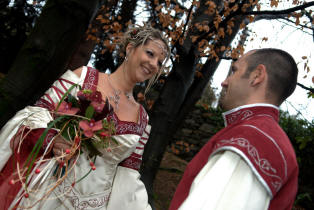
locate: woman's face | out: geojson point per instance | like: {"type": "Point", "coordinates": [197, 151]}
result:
{"type": "Point", "coordinates": [146, 60]}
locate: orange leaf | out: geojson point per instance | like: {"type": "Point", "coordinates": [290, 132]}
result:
{"type": "Point", "coordinates": [274, 3]}
{"type": "Point", "coordinates": [297, 21]}
{"type": "Point", "coordinates": [194, 38]}
{"type": "Point", "coordinates": [242, 25]}
{"type": "Point", "coordinates": [258, 7]}
{"type": "Point", "coordinates": [198, 74]}
{"type": "Point", "coordinates": [221, 32]}
{"type": "Point", "coordinates": [140, 96]}
{"type": "Point", "coordinates": [251, 18]}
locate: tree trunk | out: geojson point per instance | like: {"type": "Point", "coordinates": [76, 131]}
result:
{"type": "Point", "coordinates": [85, 48]}
{"type": "Point", "coordinates": [167, 106]}
{"type": "Point", "coordinates": [163, 116]}
{"type": "Point", "coordinates": [44, 55]}
{"type": "Point", "coordinates": [178, 95]}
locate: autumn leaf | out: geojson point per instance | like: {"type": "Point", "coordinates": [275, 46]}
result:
{"type": "Point", "coordinates": [304, 57]}
{"type": "Point", "coordinates": [235, 7]}
{"type": "Point", "coordinates": [140, 97]}
{"type": "Point", "coordinates": [198, 74]}
{"type": "Point", "coordinates": [265, 39]}
{"type": "Point", "coordinates": [242, 25]}
{"type": "Point", "coordinates": [221, 32]}
{"type": "Point", "coordinates": [150, 104]}
{"type": "Point", "coordinates": [229, 30]}
{"type": "Point", "coordinates": [313, 79]}
{"type": "Point", "coordinates": [297, 21]}
{"type": "Point", "coordinates": [274, 3]}
{"type": "Point", "coordinates": [194, 38]}
{"type": "Point", "coordinates": [258, 6]}
{"type": "Point", "coordinates": [251, 18]}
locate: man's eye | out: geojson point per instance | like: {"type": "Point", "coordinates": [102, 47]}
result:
{"type": "Point", "coordinates": [233, 70]}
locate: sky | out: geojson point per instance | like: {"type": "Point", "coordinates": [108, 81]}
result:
{"type": "Point", "coordinates": [295, 42]}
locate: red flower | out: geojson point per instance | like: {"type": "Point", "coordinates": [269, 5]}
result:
{"type": "Point", "coordinates": [104, 134]}
{"type": "Point", "coordinates": [97, 106]}
{"type": "Point", "coordinates": [89, 95]}
{"type": "Point", "coordinates": [96, 96]}
{"type": "Point", "coordinates": [89, 127]}
{"type": "Point", "coordinates": [134, 32]}
{"type": "Point", "coordinates": [66, 108]}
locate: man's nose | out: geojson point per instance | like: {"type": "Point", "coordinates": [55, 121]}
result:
{"type": "Point", "coordinates": [224, 83]}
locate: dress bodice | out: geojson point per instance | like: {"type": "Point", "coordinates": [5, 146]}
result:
{"type": "Point", "coordinates": [84, 188]}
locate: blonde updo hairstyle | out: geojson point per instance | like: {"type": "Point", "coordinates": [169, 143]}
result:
{"type": "Point", "coordinates": [140, 35]}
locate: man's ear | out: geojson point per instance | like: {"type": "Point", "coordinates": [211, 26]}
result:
{"type": "Point", "coordinates": [258, 75]}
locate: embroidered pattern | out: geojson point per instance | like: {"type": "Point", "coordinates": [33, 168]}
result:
{"type": "Point", "coordinates": [263, 164]}
{"type": "Point", "coordinates": [124, 127]}
{"type": "Point", "coordinates": [131, 162]}
{"type": "Point", "coordinates": [239, 115]}
{"type": "Point", "coordinates": [91, 79]}
{"type": "Point", "coordinates": [80, 203]}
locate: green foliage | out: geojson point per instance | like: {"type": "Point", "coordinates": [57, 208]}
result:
{"type": "Point", "coordinates": [301, 135]}
{"type": "Point", "coordinates": [89, 113]}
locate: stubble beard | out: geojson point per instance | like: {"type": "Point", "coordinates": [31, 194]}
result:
{"type": "Point", "coordinates": [222, 99]}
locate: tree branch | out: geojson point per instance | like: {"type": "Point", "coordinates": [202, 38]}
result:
{"type": "Point", "coordinates": [306, 88]}
{"type": "Point", "coordinates": [279, 12]}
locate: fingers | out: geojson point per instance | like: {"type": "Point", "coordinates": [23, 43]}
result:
{"type": "Point", "coordinates": [60, 146]}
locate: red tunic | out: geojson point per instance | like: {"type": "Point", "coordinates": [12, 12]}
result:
{"type": "Point", "coordinates": [251, 131]}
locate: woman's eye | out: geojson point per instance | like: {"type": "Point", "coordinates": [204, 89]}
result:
{"type": "Point", "coordinates": [159, 63]}
{"type": "Point", "coordinates": [150, 53]}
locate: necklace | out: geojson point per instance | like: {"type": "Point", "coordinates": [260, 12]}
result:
{"type": "Point", "coordinates": [116, 94]}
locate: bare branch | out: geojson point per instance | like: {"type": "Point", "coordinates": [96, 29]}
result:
{"type": "Point", "coordinates": [306, 88]}
{"type": "Point", "coordinates": [279, 12]}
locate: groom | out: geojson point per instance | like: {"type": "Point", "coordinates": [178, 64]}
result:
{"type": "Point", "coordinates": [250, 164]}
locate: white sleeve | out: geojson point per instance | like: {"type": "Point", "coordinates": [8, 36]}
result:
{"type": "Point", "coordinates": [128, 191]}
{"type": "Point", "coordinates": [226, 182]}
{"type": "Point", "coordinates": [32, 116]}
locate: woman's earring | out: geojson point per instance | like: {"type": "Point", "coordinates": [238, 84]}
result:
{"type": "Point", "coordinates": [126, 56]}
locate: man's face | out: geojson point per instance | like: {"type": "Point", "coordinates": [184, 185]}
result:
{"type": "Point", "coordinates": [235, 87]}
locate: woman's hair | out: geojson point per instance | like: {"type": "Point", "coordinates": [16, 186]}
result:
{"type": "Point", "coordinates": [140, 35]}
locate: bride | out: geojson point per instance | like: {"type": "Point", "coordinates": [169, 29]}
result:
{"type": "Point", "coordinates": [114, 182]}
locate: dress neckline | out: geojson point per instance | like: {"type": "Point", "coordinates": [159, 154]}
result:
{"type": "Point", "coordinates": [122, 126]}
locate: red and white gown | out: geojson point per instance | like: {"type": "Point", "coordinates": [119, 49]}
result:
{"type": "Point", "coordinates": [114, 185]}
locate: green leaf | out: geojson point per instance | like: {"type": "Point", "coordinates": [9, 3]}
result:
{"type": "Point", "coordinates": [89, 112]}
{"type": "Point", "coordinates": [65, 95]}
{"type": "Point", "coordinates": [73, 100]}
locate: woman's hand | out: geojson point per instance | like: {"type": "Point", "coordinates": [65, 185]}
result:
{"type": "Point", "coordinates": [60, 146]}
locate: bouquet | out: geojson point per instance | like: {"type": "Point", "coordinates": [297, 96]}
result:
{"type": "Point", "coordinates": [84, 122]}
{"type": "Point", "coordinates": [81, 120]}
